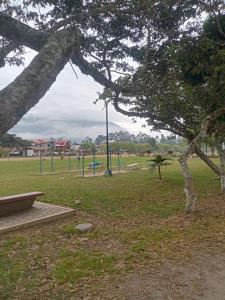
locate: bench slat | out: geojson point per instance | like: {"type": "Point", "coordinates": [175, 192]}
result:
{"type": "Point", "coordinates": [19, 197]}
{"type": "Point", "coordinates": [134, 166]}
{"type": "Point", "coordinates": [17, 203]}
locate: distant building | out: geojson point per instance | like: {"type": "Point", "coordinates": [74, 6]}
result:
{"type": "Point", "coordinates": [46, 147]}
{"type": "Point", "coordinates": [75, 148]}
{"type": "Point", "coordinates": [41, 146]}
{"type": "Point", "coordinates": [62, 145]}
{"type": "Point", "coordinates": [15, 152]}
{"type": "Point", "coordinates": [28, 152]}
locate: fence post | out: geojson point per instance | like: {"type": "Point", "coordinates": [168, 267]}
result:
{"type": "Point", "coordinates": [52, 164]}
{"type": "Point", "coordinates": [83, 164]}
{"type": "Point", "coordinates": [94, 163]}
{"type": "Point", "coordinates": [78, 162]}
{"type": "Point", "coordinates": [110, 159]}
{"type": "Point", "coordinates": [69, 163]}
{"type": "Point", "coordinates": [118, 161]}
{"type": "Point", "coordinates": [40, 163]}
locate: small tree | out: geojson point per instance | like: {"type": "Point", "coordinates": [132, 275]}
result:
{"type": "Point", "coordinates": [88, 145]}
{"type": "Point", "coordinates": [159, 162]}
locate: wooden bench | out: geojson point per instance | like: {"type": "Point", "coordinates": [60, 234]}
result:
{"type": "Point", "coordinates": [16, 203]}
{"type": "Point", "coordinates": [134, 166]}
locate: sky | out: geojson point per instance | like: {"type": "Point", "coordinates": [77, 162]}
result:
{"type": "Point", "coordinates": [68, 109]}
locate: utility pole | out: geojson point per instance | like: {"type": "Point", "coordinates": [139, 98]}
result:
{"type": "Point", "coordinates": [108, 171]}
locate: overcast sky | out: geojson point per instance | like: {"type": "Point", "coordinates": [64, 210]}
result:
{"type": "Point", "coordinates": [67, 109]}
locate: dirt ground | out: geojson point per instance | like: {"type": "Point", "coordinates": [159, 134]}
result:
{"type": "Point", "coordinates": [202, 278]}
{"type": "Point", "coordinates": [198, 275]}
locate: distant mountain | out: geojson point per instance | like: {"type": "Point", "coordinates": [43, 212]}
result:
{"type": "Point", "coordinates": [34, 127]}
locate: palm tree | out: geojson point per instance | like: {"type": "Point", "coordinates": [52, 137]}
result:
{"type": "Point", "coordinates": [159, 162]}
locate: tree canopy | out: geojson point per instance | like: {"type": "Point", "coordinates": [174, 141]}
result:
{"type": "Point", "coordinates": [183, 90]}
{"type": "Point", "coordinates": [11, 140]}
{"type": "Point", "coordinates": [170, 61]}
{"type": "Point", "coordinates": [100, 37]}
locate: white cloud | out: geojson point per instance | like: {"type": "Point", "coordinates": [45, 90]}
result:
{"type": "Point", "coordinates": [68, 101]}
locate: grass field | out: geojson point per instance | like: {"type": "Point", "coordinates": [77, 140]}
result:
{"type": "Point", "coordinates": [33, 166]}
{"type": "Point", "coordinates": [139, 222]}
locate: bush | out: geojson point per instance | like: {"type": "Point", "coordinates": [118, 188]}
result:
{"type": "Point", "coordinates": [4, 152]}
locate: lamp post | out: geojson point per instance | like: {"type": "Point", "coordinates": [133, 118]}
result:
{"type": "Point", "coordinates": [108, 171]}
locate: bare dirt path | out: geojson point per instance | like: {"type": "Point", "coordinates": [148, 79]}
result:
{"type": "Point", "coordinates": [202, 278]}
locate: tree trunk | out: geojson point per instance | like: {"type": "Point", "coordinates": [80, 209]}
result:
{"type": "Point", "coordinates": [222, 176]}
{"type": "Point", "coordinates": [194, 147]}
{"type": "Point", "coordinates": [222, 165]}
{"type": "Point", "coordinates": [207, 160]}
{"type": "Point", "coordinates": [22, 34]}
{"type": "Point", "coordinates": [159, 169]}
{"type": "Point", "coordinates": [189, 185]}
{"type": "Point", "coordinates": [32, 84]}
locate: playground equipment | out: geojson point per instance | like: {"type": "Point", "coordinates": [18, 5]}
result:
{"type": "Point", "coordinates": [85, 165]}
{"type": "Point", "coordinates": [95, 165]}
{"type": "Point", "coordinates": [136, 166]}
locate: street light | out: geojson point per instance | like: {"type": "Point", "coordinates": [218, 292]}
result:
{"type": "Point", "coordinates": [108, 171]}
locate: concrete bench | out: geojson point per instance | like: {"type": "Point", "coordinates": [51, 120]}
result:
{"type": "Point", "coordinates": [134, 166]}
{"type": "Point", "coordinates": [16, 203]}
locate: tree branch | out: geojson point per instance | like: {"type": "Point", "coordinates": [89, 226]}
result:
{"type": "Point", "coordinates": [129, 113]}
{"type": "Point", "coordinates": [22, 34]}
{"type": "Point", "coordinates": [87, 69]}
{"type": "Point", "coordinates": [220, 27]}
{"type": "Point", "coordinates": [5, 51]}
{"type": "Point", "coordinates": [207, 160]}
{"type": "Point", "coordinates": [32, 84]}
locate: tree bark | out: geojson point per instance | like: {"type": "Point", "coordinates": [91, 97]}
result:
{"type": "Point", "coordinates": [32, 84]}
{"type": "Point", "coordinates": [189, 185]}
{"type": "Point", "coordinates": [222, 165]}
{"type": "Point", "coordinates": [207, 160]}
{"type": "Point", "coordinates": [194, 147]}
{"type": "Point", "coordinates": [222, 175]}
{"type": "Point", "coordinates": [22, 34]}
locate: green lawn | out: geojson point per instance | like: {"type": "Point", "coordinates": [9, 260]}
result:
{"type": "Point", "coordinates": [139, 222]}
{"type": "Point", "coordinates": [18, 166]}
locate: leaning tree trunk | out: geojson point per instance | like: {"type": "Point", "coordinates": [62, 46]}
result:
{"type": "Point", "coordinates": [222, 169]}
{"type": "Point", "coordinates": [222, 165]}
{"type": "Point", "coordinates": [207, 160]}
{"type": "Point", "coordinates": [32, 84]}
{"type": "Point", "coordinates": [189, 185]}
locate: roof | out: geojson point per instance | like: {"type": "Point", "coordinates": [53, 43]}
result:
{"type": "Point", "coordinates": [62, 143]}
{"type": "Point", "coordinates": [40, 141]}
